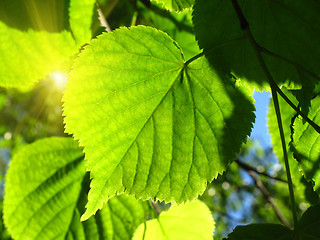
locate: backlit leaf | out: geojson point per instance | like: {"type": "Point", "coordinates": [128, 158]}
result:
{"type": "Point", "coordinates": [45, 195]}
{"type": "Point", "coordinates": [189, 221]}
{"type": "Point", "coordinates": [306, 144]}
{"type": "Point", "coordinates": [175, 5]}
{"type": "Point", "coordinates": [150, 125]}
{"type": "Point", "coordinates": [35, 38]}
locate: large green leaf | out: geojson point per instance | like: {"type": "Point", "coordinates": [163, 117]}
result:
{"type": "Point", "coordinates": [289, 29]}
{"type": "Point", "coordinates": [175, 5]}
{"type": "Point", "coordinates": [152, 126]}
{"type": "Point", "coordinates": [34, 38]}
{"type": "Point", "coordinates": [189, 221]}
{"type": "Point", "coordinates": [46, 191]}
{"type": "Point", "coordinates": [306, 143]}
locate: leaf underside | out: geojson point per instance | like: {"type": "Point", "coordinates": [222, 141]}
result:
{"type": "Point", "coordinates": [151, 126]}
{"type": "Point", "coordinates": [288, 29]}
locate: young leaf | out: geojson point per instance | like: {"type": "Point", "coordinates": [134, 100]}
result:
{"type": "Point", "coordinates": [261, 232]}
{"type": "Point", "coordinates": [192, 220]}
{"type": "Point", "coordinates": [46, 191]}
{"type": "Point", "coordinates": [289, 29]}
{"type": "Point", "coordinates": [151, 125]}
{"type": "Point", "coordinates": [175, 5]}
{"type": "Point", "coordinates": [306, 144]}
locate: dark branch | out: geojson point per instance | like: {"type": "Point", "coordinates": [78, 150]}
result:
{"type": "Point", "coordinates": [249, 168]}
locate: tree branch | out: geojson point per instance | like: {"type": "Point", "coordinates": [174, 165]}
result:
{"type": "Point", "coordinates": [268, 197]}
{"type": "Point", "coordinates": [249, 168]}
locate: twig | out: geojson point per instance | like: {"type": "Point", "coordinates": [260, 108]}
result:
{"type": "Point", "coordinates": [249, 168]}
{"type": "Point", "coordinates": [274, 88]}
{"type": "Point", "coordinates": [102, 19]}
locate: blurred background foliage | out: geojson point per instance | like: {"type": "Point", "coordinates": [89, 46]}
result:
{"type": "Point", "coordinates": [253, 189]}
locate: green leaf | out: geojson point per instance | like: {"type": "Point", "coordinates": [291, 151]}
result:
{"type": "Point", "coordinates": [261, 232]}
{"type": "Point", "coordinates": [309, 222]}
{"type": "Point", "coordinates": [288, 29]}
{"type": "Point", "coordinates": [175, 5]}
{"type": "Point", "coordinates": [306, 143]}
{"type": "Point", "coordinates": [46, 191]}
{"type": "Point", "coordinates": [28, 56]}
{"type": "Point", "coordinates": [152, 126]}
{"type": "Point", "coordinates": [34, 38]}
{"type": "Point", "coordinates": [192, 220]}
{"type": "Point", "coordinates": [307, 229]}
{"type": "Point", "coordinates": [80, 15]}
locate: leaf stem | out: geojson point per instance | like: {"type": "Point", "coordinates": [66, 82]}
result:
{"type": "Point", "coordinates": [211, 49]}
{"type": "Point", "coordinates": [274, 88]}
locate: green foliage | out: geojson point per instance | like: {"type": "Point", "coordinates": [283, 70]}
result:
{"type": "Point", "coordinates": [288, 30]}
{"type": "Point", "coordinates": [47, 203]}
{"type": "Point", "coordinates": [174, 140]}
{"type": "Point", "coordinates": [157, 119]}
{"type": "Point", "coordinates": [306, 144]}
{"type": "Point", "coordinates": [43, 40]}
{"type": "Point", "coordinates": [306, 229]}
{"type": "Point", "coordinates": [172, 223]}
{"type": "Point", "coordinates": [175, 5]}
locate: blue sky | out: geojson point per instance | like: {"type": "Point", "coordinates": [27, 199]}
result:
{"type": "Point", "coordinates": [260, 130]}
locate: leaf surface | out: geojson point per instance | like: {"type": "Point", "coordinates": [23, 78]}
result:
{"type": "Point", "coordinates": [175, 5]}
{"type": "Point", "coordinates": [80, 17]}
{"type": "Point", "coordinates": [35, 38]}
{"type": "Point", "coordinates": [192, 220]}
{"type": "Point", "coordinates": [152, 126]}
{"type": "Point", "coordinates": [306, 144]}
{"type": "Point", "coordinates": [46, 191]}
{"type": "Point", "coordinates": [290, 30]}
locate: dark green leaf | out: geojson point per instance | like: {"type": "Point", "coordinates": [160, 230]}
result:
{"type": "Point", "coordinates": [289, 29]}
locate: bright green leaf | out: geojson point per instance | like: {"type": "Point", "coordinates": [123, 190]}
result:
{"type": "Point", "coordinates": [189, 221]}
{"type": "Point", "coordinates": [261, 232]}
{"type": "Point", "coordinates": [35, 40]}
{"type": "Point", "coordinates": [81, 14]}
{"type": "Point", "coordinates": [306, 143]}
{"type": "Point", "coordinates": [151, 126]}
{"type": "Point", "coordinates": [175, 5]}
{"type": "Point", "coordinates": [46, 192]}
{"type": "Point", "coordinates": [289, 29]}
{"type": "Point", "coordinates": [28, 56]}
